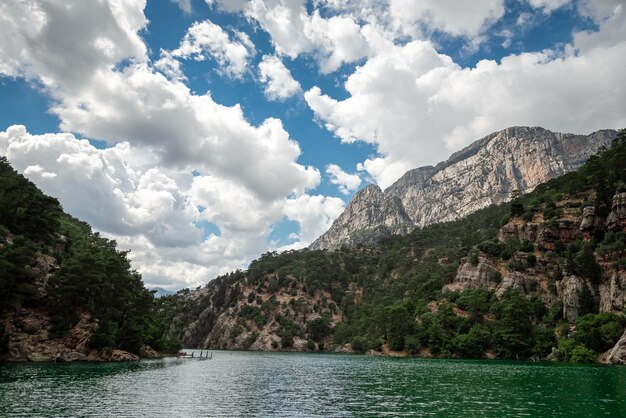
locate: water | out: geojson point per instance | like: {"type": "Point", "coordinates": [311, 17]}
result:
{"type": "Point", "coordinates": [289, 385]}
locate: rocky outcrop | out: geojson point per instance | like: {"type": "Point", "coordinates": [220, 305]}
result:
{"type": "Point", "coordinates": [570, 289]}
{"type": "Point", "coordinates": [241, 313]}
{"type": "Point", "coordinates": [482, 174]}
{"type": "Point", "coordinates": [544, 275]}
{"type": "Point", "coordinates": [29, 340]}
{"type": "Point", "coordinates": [470, 276]}
{"type": "Point", "coordinates": [28, 330]}
{"type": "Point", "coordinates": [590, 224]}
{"type": "Point", "coordinates": [371, 215]}
{"type": "Point", "coordinates": [612, 292]}
{"type": "Point", "coordinates": [617, 216]}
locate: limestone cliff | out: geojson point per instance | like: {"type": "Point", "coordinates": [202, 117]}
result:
{"type": "Point", "coordinates": [549, 274]}
{"type": "Point", "coordinates": [484, 173]}
{"type": "Point", "coordinates": [266, 313]}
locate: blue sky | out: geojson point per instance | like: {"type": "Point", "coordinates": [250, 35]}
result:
{"type": "Point", "coordinates": [200, 134]}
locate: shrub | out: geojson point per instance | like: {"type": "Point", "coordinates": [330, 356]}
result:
{"type": "Point", "coordinates": [581, 354]}
{"type": "Point", "coordinates": [599, 332]}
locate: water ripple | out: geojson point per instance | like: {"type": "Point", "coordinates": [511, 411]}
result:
{"type": "Point", "coordinates": [235, 384]}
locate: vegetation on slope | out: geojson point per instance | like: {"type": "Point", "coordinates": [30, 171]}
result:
{"type": "Point", "coordinates": [91, 275]}
{"type": "Point", "coordinates": [391, 296]}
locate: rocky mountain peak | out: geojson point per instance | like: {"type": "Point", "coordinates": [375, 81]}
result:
{"type": "Point", "coordinates": [483, 173]}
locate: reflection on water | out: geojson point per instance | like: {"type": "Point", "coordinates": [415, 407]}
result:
{"type": "Point", "coordinates": [275, 384]}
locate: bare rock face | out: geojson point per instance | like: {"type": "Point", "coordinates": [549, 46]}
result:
{"type": "Point", "coordinates": [617, 354]}
{"type": "Point", "coordinates": [29, 340]}
{"type": "Point", "coordinates": [612, 293]}
{"type": "Point", "coordinates": [371, 215]}
{"type": "Point", "coordinates": [484, 173]}
{"type": "Point", "coordinates": [590, 223]}
{"type": "Point", "coordinates": [617, 217]}
{"type": "Point", "coordinates": [520, 230]}
{"type": "Point", "coordinates": [469, 276]}
{"type": "Point", "coordinates": [570, 288]}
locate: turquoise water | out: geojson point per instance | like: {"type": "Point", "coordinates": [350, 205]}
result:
{"type": "Point", "coordinates": [289, 385]}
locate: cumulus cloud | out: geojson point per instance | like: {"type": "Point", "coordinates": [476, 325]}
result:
{"type": "Point", "coordinates": [347, 183]}
{"type": "Point", "coordinates": [207, 40]}
{"type": "Point", "coordinates": [314, 214]}
{"type": "Point", "coordinates": [100, 186]}
{"type": "Point", "coordinates": [170, 66]}
{"type": "Point", "coordinates": [417, 106]}
{"type": "Point", "coordinates": [279, 84]}
{"type": "Point", "coordinates": [294, 31]}
{"type": "Point", "coordinates": [158, 212]}
{"type": "Point", "coordinates": [467, 18]}
{"type": "Point", "coordinates": [41, 39]}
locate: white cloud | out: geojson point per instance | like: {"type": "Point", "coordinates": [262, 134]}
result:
{"type": "Point", "coordinates": [465, 18]}
{"type": "Point", "coordinates": [333, 41]}
{"type": "Point", "coordinates": [41, 42]}
{"type": "Point", "coordinates": [352, 30]}
{"type": "Point", "coordinates": [338, 40]}
{"type": "Point", "coordinates": [417, 106]}
{"type": "Point", "coordinates": [157, 212]}
{"type": "Point", "coordinates": [207, 40]}
{"type": "Point", "coordinates": [548, 5]}
{"type": "Point", "coordinates": [279, 84]}
{"type": "Point", "coordinates": [347, 183]}
{"type": "Point", "coordinates": [185, 5]}
{"type": "Point", "coordinates": [314, 214]}
{"type": "Point", "coordinates": [187, 130]}
{"type": "Point", "coordinates": [170, 66]}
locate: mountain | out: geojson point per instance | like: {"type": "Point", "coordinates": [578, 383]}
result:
{"type": "Point", "coordinates": [543, 276]}
{"type": "Point", "coordinates": [484, 173]}
{"type": "Point", "coordinates": [159, 292]}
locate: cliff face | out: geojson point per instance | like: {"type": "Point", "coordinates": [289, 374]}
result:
{"type": "Point", "coordinates": [484, 173]}
{"type": "Point", "coordinates": [575, 223]}
{"type": "Point", "coordinates": [27, 329]}
{"type": "Point", "coordinates": [267, 313]}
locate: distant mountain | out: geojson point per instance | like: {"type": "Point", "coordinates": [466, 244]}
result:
{"type": "Point", "coordinates": [160, 292]}
{"type": "Point", "coordinates": [484, 173]}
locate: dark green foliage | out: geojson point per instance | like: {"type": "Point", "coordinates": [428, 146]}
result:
{"type": "Point", "coordinates": [585, 265]}
{"type": "Point", "coordinates": [599, 332]}
{"type": "Point", "coordinates": [95, 277]}
{"type": "Point", "coordinates": [594, 334]}
{"type": "Point", "coordinates": [582, 354]}
{"type": "Point", "coordinates": [491, 248]}
{"type": "Point", "coordinates": [25, 209]}
{"type": "Point", "coordinates": [514, 331]}
{"type": "Point", "coordinates": [476, 301]}
{"type": "Point", "coordinates": [400, 324]}
{"type": "Point", "coordinates": [517, 206]}
{"type": "Point", "coordinates": [586, 301]}
{"type": "Point", "coordinates": [472, 344]}
{"type": "Point", "coordinates": [319, 328]}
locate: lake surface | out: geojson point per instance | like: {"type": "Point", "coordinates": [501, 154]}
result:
{"type": "Point", "coordinates": [328, 385]}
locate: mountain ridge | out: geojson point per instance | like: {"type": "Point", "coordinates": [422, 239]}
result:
{"type": "Point", "coordinates": [470, 179]}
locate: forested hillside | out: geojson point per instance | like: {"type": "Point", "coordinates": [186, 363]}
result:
{"type": "Point", "coordinates": [544, 275]}
{"type": "Point", "coordinates": [66, 292]}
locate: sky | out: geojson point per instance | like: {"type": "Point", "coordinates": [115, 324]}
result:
{"type": "Point", "coordinates": [200, 134]}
